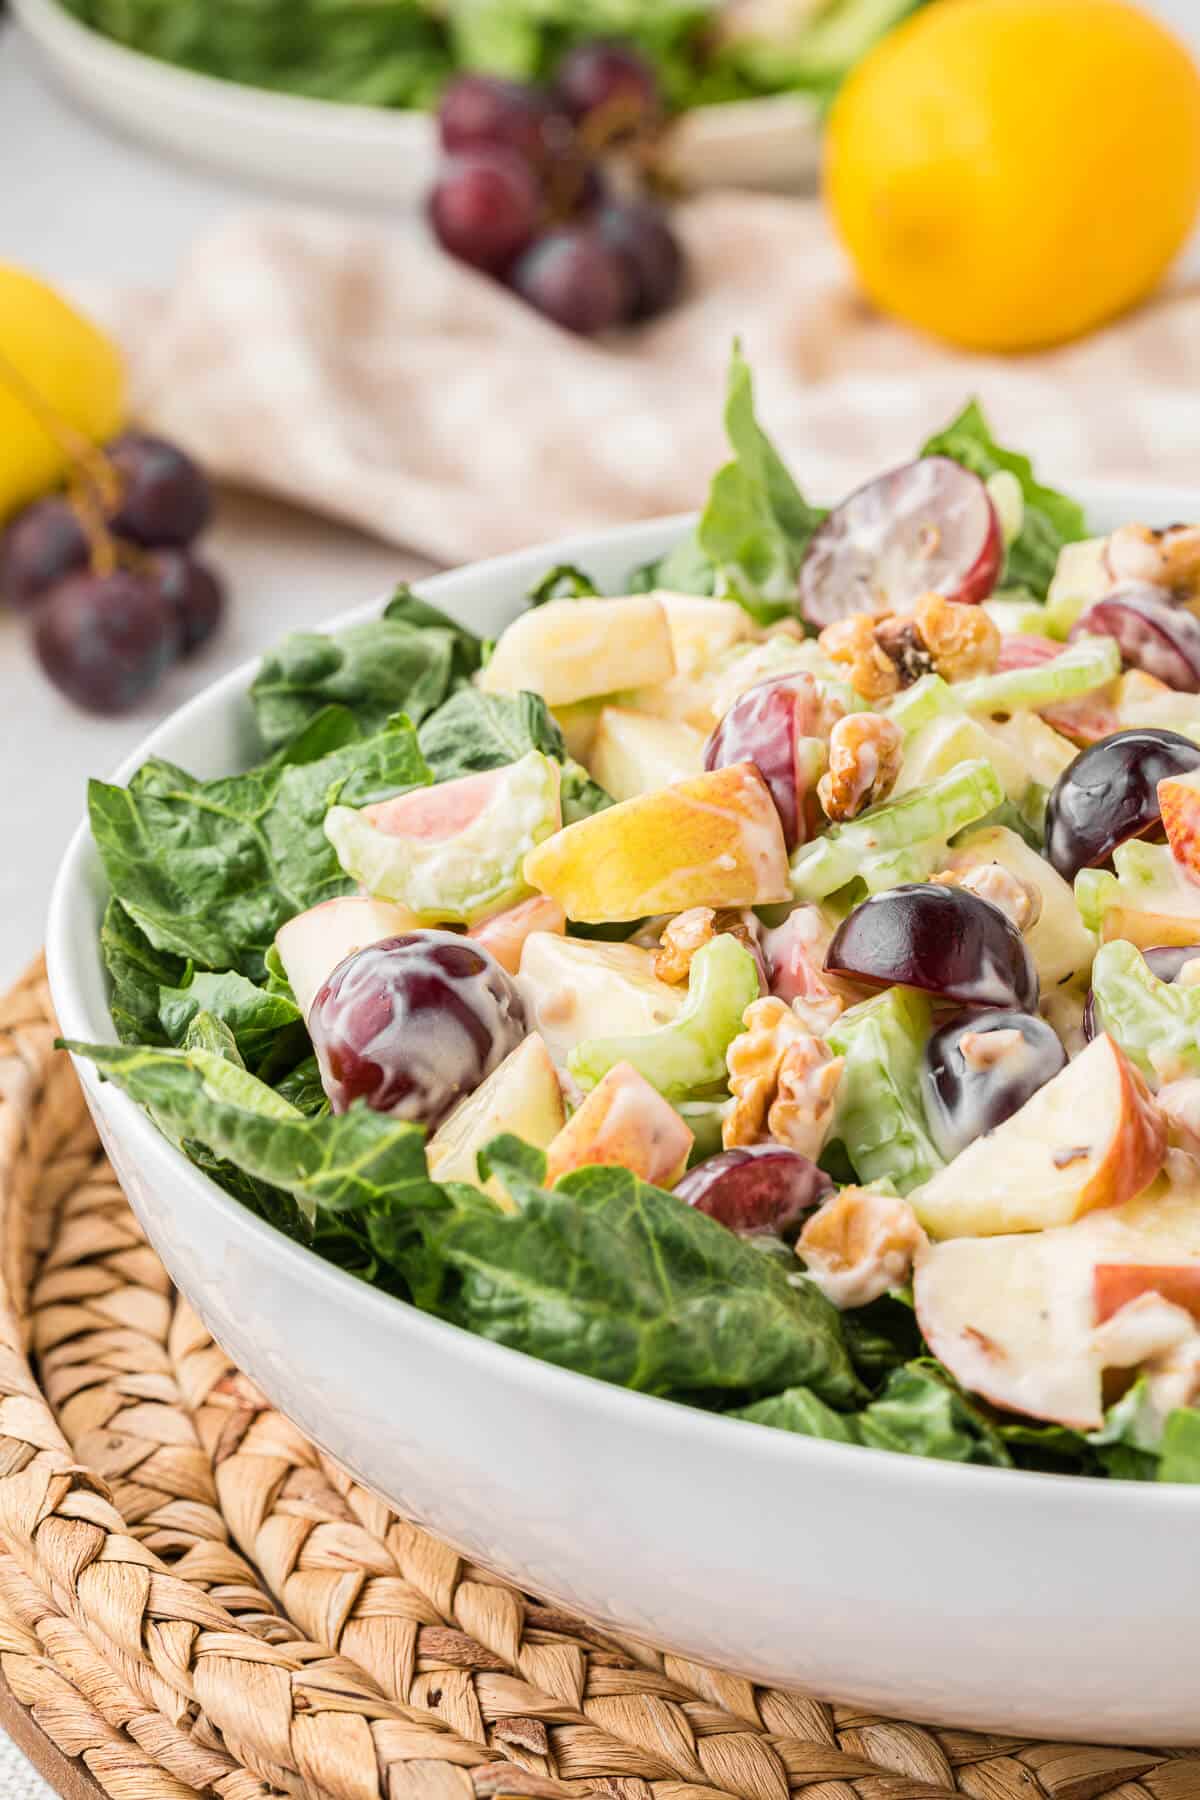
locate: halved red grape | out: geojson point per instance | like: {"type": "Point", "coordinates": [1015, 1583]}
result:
{"type": "Point", "coordinates": [641, 234]}
{"type": "Point", "coordinates": [928, 525]}
{"type": "Point", "coordinates": [41, 545]}
{"type": "Point", "coordinates": [571, 276]}
{"type": "Point", "coordinates": [609, 89]}
{"type": "Point", "coordinates": [413, 1024]}
{"type": "Point", "coordinates": [165, 496]}
{"type": "Point", "coordinates": [981, 1067]}
{"type": "Point", "coordinates": [1110, 793]}
{"type": "Point", "coordinates": [485, 207]}
{"type": "Point", "coordinates": [772, 725]}
{"type": "Point", "coordinates": [105, 639]}
{"type": "Point", "coordinates": [1163, 960]}
{"type": "Point", "coordinates": [194, 593]}
{"type": "Point", "coordinates": [759, 1190]}
{"type": "Point", "coordinates": [1153, 635]}
{"type": "Point", "coordinates": [485, 112]}
{"type": "Point", "coordinates": [944, 940]}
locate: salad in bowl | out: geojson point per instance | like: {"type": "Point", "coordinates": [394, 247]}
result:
{"type": "Point", "coordinates": [774, 986]}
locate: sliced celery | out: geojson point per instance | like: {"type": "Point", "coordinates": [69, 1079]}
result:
{"type": "Point", "coordinates": [1156, 1023]}
{"type": "Point", "coordinates": [928, 814]}
{"type": "Point", "coordinates": [927, 699]}
{"type": "Point", "coordinates": [1090, 663]}
{"type": "Point", "coordinates": [880, 1114]}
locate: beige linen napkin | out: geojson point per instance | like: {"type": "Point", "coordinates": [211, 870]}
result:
{"type": "Point", "coordinates": [360, 372]}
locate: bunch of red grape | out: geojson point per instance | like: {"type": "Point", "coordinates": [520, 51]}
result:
{"type": "Point", "coordinates": [107, 570]}
{"type": "Point", "coordinates": [524, 194]}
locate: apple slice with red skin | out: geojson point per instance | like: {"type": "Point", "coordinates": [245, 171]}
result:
{"type": "Point", "coordinates": [1116, 1284]}
{"type": "Point", "coordinates": [1179, 803]}
{"type": "Point", "coordinates": [623, 1120]}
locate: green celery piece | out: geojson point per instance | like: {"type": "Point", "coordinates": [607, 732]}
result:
{"type": "Point", "coordinates": [464, 877]}
{"type": "Point", "coordinates": [1147, 878]}
{"type": "Point", "coordinates": [927, 699]}
{"type": "Point", "coordinates": [1156, 1023]}
{"type": "Point", "coordinates": [931, 813]}
{"type": "Point", "coordinates": [891, 868]}
{"type": "Point", "coordinates": [1090, 663]}
{"type": "Point", "coordinates": [688, 1055]}
{"type": "Point", "coordinates": [880, 1113]}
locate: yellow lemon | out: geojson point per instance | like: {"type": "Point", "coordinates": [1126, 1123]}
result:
{"type": "Point", "coordinates": [56, 369]}
{"type": "Point", "coordinates": [1010, 173]}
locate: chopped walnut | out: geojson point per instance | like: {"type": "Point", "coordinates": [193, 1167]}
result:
{"type": "Point", "coordinates": [860, 1244]}
{"type": "Point", "coordinates": [897, 635]}
{"type": "Point", "coordinates": [852, 643]}
{"type": "Point", "coordinates": [864, 761]}
{"type": "Point", "coordinates": [690, 931]}
{"type": "Point", "coordinates": [783, 1080]}
{"type": "Point", "coordinates": [1019, 901]}
{"type": "Point", "coordinates": [1169, 558]}
{"type": "Point", "coordinates": [961, 640]}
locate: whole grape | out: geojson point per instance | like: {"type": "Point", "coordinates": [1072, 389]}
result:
{"type": "Point", "coordinates": [610, 90]}
{"type": "Point", "coordinates": [640, 233]}
{"type": "Point", "coordinates": [485, 208]}
{"type": "Point", "coordinates": [414, 1024]}
{"type": "Point", "coordinates": [485, 112]}
{"type": "Point", "coordinates": [41, 545]}
{"type": "Point", "coordinates": [105, 640]}
{"type": "Point", "coordinates": [194, 594]}
{"type": "Point", "coordinates": [165, 497]}
{"type": "Point", "coordinates": [575, 279]}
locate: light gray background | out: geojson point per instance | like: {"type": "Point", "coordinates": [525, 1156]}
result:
{"type": "Point", "coordinates": [78, 204]}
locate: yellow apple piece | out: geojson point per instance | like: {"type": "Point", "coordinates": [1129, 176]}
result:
{"type": "Point", "coordinates": [1044, 752]}
{"type": "Point", "coordinates": [522, 1096]}
{"type": "Point", "coordinates": [634, 753]}
{"type": "Point", "coordinates": [574, 989]}
{"type": "Point", "coordinates": [1179, 802]}
{"type": "Point", "coordinates": [702, 629]}
{"type": "Point", "coordinates": [311, 945]}
{"type": "Point", "coordinates": [1014, 1319]}
{"type": "Point", "coordinates": [569, 650]}
{"type": "Point", "coordinates": [623, 1120]}
{"type": "Point", "coordinates": [504, 934]}
{"type": "Point", "coordinates": [1092, 1137]}
{"type": "Point", "coordinates": [1059, 942]}
{"type": "Point", "coordinates": [715, 840]}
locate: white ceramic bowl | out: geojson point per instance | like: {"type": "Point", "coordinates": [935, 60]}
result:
{"type": "Point", "coordinates": [971, 1596]}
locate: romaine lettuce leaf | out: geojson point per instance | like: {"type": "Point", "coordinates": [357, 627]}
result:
{"type": "Point", "coordinates": [267, 1029]}
{"type": "Point", "coordinates": [919, 1413]}
{"type": "Point", "coordinates": [209, 870]}
{"type": "Point", "coordinates": [475, 731]}
{"type": "Point", "coordinates": [1051, 519]}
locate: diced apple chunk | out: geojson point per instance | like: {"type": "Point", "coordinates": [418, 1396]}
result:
{"type": "Point", "coordinates": [1014, 1319]}
{"type": "Point", "coordinates": [634, 753]}
{"type": "Point", "coordinates": [1092, 1137]}
{"type": "Point", "coordinates": [504, 934]}
{"type": "Point", "coordinates": [1059, 942]}
{"type": "Point", "coordinates": [311, 945]}
{"type": "Point", "coordinates": [715, 840]}
{"type": "Point", "coordinates": [522, 1096]}
{"type": "Point", "coordinates": [624, 1120]}
{"type": "Point", "coordinates": [569, 650]}
{"type": "Point", "coordinates": [1179, 801]}
{"type": "Point", "coordinates": [575, 990]}
{"type": "Point", "coordinates": [702, 629]}
{"type": "Point", "coordinates": [1116, 1284]}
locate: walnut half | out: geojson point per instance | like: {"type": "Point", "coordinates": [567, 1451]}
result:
{"type": "Point", "coordinates": [865, 750]}
{"type": "Point", "coordinates": [689, 931]}
{"type": "Point", "coordinates": [860, 1244]}
{"type": "Point", "coordinates": [783, 1080]}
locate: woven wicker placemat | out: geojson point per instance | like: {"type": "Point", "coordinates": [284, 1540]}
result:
{"type": "Point", "coordinates": [194, 1598]}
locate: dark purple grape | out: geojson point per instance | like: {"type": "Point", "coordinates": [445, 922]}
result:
{"type": "Point", "coordinates": [485, 112]}
{"type": "Point", "coordinates": [761, 1189]}
{"type": "Point", "coordinates": [640, 233]}
{"type": "Point", "coordinates": [40, 546]}
{"type": "Point", "coordinates": [413, 1024]}
{"type": "Point", "coordinates": [928, 524]}
{"type": "Point", "coordinates": [610, 90]}
{"type": "Point", "coordinates": [1153, 635]}
{"type": "Point", "coordinates": [194, 593]}
{"type": "Point", "coordinates": [485, 207]}
{"type": "Point", "coordinates": [1110, 793]}
{"type": "Point", "coordinates": [105, 639]}
{"type": "Point", "coordinates": [980, 1068]}
{"type": "Point", "coordinates": [573, 278]}
{"type": "Point", "coordinates": [1163, 960]}
{"type": "Point", "coordinates": [944, 940]}
{"type": "Point", "coordinates": [165, 496]}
